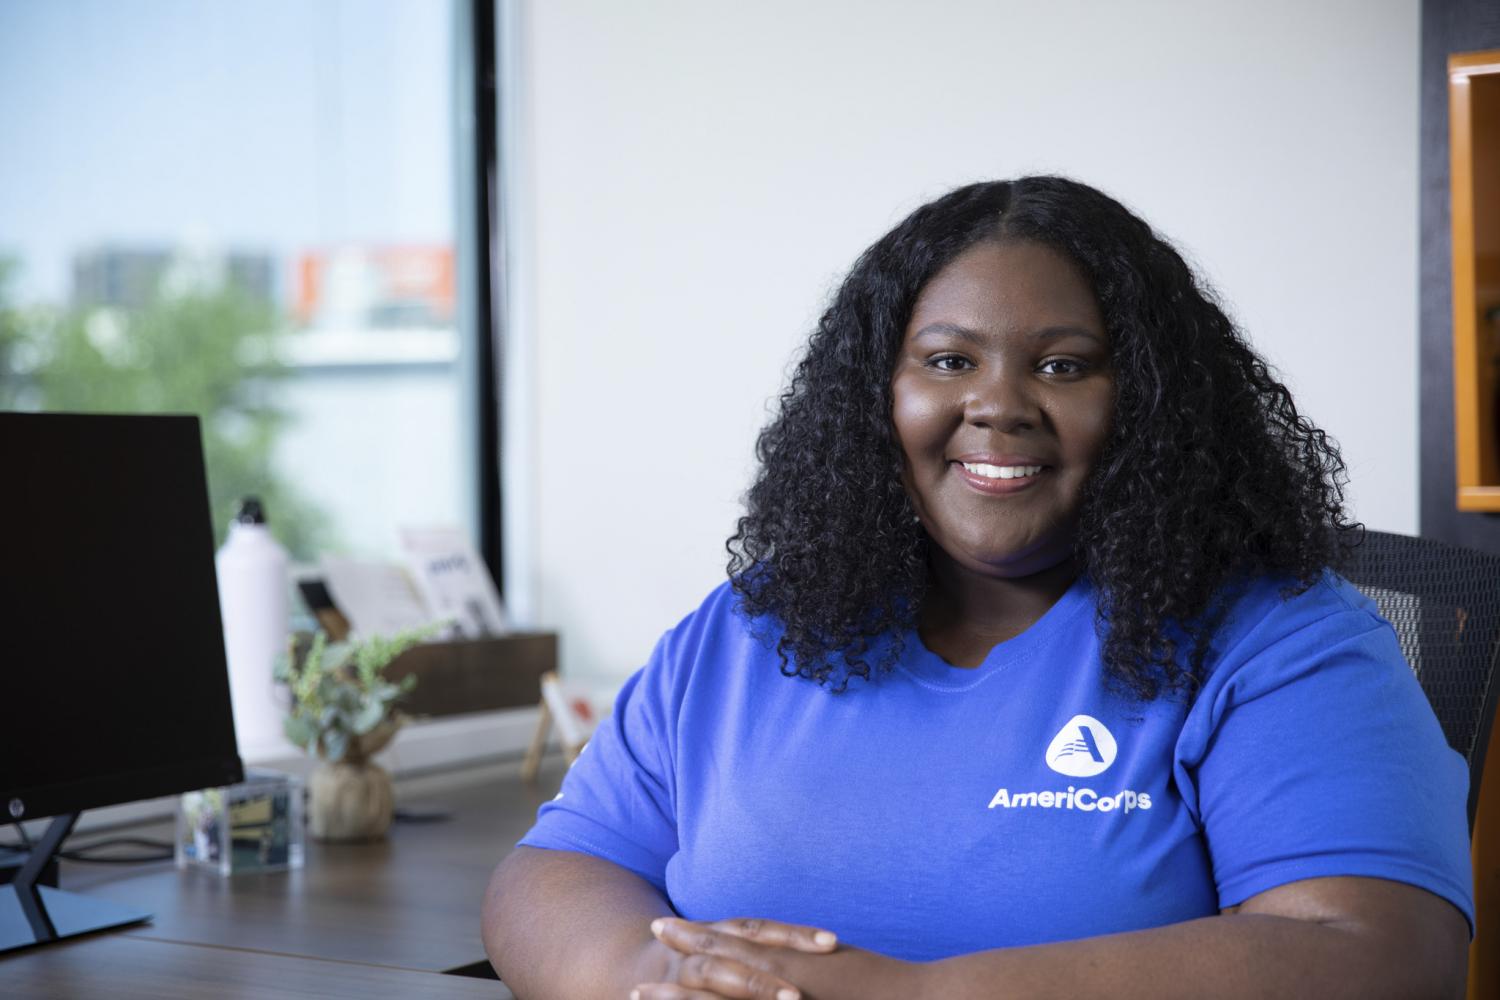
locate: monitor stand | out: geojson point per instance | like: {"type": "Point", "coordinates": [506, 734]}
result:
{"type": "Point", "coordinates": [32, 914]}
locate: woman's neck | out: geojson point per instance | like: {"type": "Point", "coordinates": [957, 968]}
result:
{"type": "Point", "coordinates": [966, 614]}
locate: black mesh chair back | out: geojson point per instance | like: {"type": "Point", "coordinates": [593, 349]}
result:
{"type": "Point", "coordinates": [1445, 605]}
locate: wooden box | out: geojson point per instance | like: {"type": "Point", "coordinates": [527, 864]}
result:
{"type": "Point", "coordinates": [476, 675]}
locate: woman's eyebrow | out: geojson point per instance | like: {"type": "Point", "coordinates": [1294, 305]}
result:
{"type": "Point", "coordinates": [1058, 332]}
{"type": "Point", "coordinates": [950, 330]}
{"type": "Point", "coordinates": [975, 337]}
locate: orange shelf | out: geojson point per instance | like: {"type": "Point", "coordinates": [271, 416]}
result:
{"type": "Point", "coordinates": [1474, 147]}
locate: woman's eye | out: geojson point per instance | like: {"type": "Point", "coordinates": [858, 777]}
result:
{"type": "Point", "coordinates": [1061, 366]}
{"type": "Point", "coordinates": [950, 362]}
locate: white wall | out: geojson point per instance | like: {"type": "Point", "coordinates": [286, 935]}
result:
{"type": "Point", "coordinates": [695, 177]}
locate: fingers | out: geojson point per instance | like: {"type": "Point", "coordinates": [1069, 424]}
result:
{"type": "Point", "coordinates": [722, 964]}
{"type": "Point", "coordinates": [718, 956]}
{"type": "Point", "coordinates": [774, 932]}
{"type": "Point", "coordinates": [717, 978]}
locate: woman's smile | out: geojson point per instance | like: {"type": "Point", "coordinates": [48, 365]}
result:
{"type": "Point", "coordinates": [999, 477]}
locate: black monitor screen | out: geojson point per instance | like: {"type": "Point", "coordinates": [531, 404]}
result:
{"type": "Point", "coordinates": [113, 684]}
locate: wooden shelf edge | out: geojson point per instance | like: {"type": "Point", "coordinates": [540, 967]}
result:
{"type": "Point", "coordinates": [1464, 64]}
{"type": "Point", "coordinates": [1465, 348]}
{"type": "Point", "coordinates": [1479, 498]}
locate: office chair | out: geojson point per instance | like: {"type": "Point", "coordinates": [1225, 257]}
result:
{"type": "Point", "coordinates": [1445, 605]}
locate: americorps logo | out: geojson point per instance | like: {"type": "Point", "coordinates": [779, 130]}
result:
{"type": "Point", "coordinates": [1082, 748]}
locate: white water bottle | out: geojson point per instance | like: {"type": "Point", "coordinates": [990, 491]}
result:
{"type": "Point", "coordinates": [252, 570]}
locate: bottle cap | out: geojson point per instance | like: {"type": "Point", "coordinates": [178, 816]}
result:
{"type": "Point", "coordinates": [250, 512]}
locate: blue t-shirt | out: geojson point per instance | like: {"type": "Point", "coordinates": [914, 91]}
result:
{"type": "Point", "coordinates": [939, 810]}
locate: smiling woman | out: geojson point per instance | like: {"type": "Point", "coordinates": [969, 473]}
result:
{"type": "Point", "coordinates": [1032, 676]}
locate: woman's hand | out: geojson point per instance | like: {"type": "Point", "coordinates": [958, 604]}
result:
{"type": "Point", "coordinates": [731, 959]}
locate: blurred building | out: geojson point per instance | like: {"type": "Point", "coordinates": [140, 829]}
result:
{"type": "Point", "coordinates": [376, 287]}
{"type": "Point", "coordinates": [128, 277]}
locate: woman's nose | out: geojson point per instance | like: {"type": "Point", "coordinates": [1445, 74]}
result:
{"type": "Point", "coordinates": [1002, 401]}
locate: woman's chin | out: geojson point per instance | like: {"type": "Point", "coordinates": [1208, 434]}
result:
{"type": "Point", "coordinates": [1012, 563]}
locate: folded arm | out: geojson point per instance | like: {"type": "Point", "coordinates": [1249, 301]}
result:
{"type": "Point", "coordinates": [1319, 938]}
{"type": "Point", "coordinates": [571, 927]}
{"type": "Point", "coordinates": [565, 926]}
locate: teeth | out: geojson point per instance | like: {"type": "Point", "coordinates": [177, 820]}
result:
{"type": "Point", "coordinates": [1002, 471]}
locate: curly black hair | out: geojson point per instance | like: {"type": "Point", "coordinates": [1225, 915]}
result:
{"type": "Point", "coordinates": [1210, 475]}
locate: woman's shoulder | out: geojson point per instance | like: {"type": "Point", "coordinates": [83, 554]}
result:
{"type": "Point", "coordinates": [1276, 621]}
{"type": "Point", "coordinates": [1280, 601]}
{"type": "Point", "coordinates": [721, 611]}
{"type": "Point", "coordinates": [717, 629]}
{"type": "Point", "coordinates": [1320, 648]}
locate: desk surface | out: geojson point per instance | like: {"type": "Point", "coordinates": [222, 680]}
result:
{"type": "Point", "coordinates": [360, 920]}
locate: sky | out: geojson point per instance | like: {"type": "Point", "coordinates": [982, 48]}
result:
{"type": "Point", "coordinates": [272, 125]}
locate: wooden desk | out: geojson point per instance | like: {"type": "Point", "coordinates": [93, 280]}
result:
{"type": "Point", "coordinates": [386, 919]}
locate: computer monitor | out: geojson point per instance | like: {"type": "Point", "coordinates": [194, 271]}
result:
{"type": "Point", "coordinates": [113, 683]}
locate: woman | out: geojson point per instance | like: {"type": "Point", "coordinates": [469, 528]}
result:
{"type": "Point", "coordinates": [1030, 678]}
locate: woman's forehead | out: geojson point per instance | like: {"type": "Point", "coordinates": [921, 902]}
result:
{"type": "Point", "coordinates": [1007, 287]}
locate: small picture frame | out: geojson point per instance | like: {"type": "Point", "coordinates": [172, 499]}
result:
{"type": "Point", "coordinates": [255, 826]}
{"type": "Point", "coordinates": [576, 715]}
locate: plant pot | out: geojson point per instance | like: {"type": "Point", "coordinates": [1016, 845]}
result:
{"type": "Point", "coordinates": [349, 801]}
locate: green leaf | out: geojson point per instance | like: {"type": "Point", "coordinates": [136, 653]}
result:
{"type": "Point", "coordinates": [335, 744]}
{"type": "Point", "coordinates": [299, 731]}
{"type": "Point", "coordinates": [335, 655]}
{"type": "Point", "coordinates": [348, 700]}
{"type": "Point", "coordinates": [312, 663]}
{"type": "Point", "coordinates": [329, 688]}
{"type": "Point", "coordinates": [368, 718]}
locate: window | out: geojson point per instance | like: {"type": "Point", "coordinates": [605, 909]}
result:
{"type": "Point", "coordinates": [247, 211]}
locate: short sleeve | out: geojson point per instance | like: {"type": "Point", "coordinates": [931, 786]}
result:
{"type": "Point", "coordinates": [1318, 755]}
{"type": "Point", "coordinates": [617, 801]}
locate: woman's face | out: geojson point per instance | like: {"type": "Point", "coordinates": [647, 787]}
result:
{"type": "Point", "coordinates": [1001, 399]}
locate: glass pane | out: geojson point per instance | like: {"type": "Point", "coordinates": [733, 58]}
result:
{"type": "Point", "coordinates": [243, 210]}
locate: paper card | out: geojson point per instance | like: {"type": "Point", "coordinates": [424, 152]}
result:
{"type": "Point", "coordinates": [377, 598]}
{"type": "Point", "coordinates": [575, 711]}
{"type": "Point", "coordinates": [454, 580]}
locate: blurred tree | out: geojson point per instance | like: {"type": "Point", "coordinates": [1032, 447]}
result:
{"type": "Point", "coordinates": [12, 335]}
{"type": "Point", "coordinates": [208, 352]}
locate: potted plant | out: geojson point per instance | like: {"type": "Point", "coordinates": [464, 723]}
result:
{"type": "Point", "coordinates": [344, 711]}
